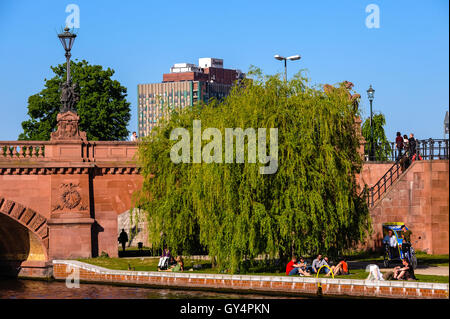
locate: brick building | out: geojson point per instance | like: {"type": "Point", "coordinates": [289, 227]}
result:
{"type": "Point", "coordinates": [185, 85]}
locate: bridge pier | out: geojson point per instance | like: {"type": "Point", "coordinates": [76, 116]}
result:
{"type": "Point", "coordinates": [70, 238]}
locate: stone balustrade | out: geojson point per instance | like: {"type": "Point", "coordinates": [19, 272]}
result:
{"type": "Point", "coordinates": [17, 150]}
{"type": "Point", "coordinates": [80, 151]}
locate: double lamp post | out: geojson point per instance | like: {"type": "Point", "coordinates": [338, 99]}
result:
{"type": "Point", "coordinates": [281, 58]}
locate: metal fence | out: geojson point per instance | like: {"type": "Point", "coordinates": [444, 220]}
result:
{"type": "Point", "coordinates": [430, 149]}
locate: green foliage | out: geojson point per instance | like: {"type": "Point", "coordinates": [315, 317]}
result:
{"type": "Point", "coordinates": [103, 109]}
{"type": "Point", "coordinates": [104, 255]}
{"type": "Point", "coordinates": [309, 205]}
{"type": "Point", "coordinates": [382, 146]}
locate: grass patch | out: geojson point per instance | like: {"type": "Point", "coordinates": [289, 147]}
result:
{"type": "Point", "coordinates": [138, 264]}
{"type": "Point", "coordinates": [141, 264]}
{"type": "Point", "coordinates": [433, 278]}
{"type": "Point", "coordinates": [432, 260]}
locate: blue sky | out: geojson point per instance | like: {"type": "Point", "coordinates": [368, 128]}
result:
{"type": "Point", "coordinates": [405, 60]}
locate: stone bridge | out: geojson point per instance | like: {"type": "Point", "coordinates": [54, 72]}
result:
{"type": "Point", "coordinates": [61, 198]}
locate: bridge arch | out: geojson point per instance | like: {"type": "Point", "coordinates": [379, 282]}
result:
{"type": "Point", "coordinates": [24, 233]}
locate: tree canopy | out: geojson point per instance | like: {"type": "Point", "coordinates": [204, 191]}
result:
{"type": "Point", "coordinates": [103, 109]}
{"type": "Point", "coordinates": [382, 146]}
{"type": "Point", "coordinates": [309, 205]}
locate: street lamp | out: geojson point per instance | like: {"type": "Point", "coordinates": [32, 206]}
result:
{"type": "Point", "coordinates": [292, 58]}
{"type": "Point", "coordinates": [67, 39]}
{"type": "Point", "coordinates": [370, 95]}
{"type": "Point", "coordinates": [68, 95]}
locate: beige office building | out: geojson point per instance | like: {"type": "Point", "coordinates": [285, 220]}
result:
{"type": "Point", "coordinates": [185, 85]}
{"type": "Point", "coordinates": [155, 100]}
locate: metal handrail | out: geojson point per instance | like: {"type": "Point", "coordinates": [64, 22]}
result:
{"type": "Point", "coordinates": [428, 149]}
{"type": "Point", "coordinates": [375, 192]}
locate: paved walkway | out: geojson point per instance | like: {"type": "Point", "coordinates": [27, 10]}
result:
{"type": "Point", "coordinates": [432, 270]}
{"type": "Point", "coordinates": [420, 270]}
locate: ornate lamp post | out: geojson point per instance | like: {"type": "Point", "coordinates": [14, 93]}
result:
{"type": "Point", "coordinates": [68, 94]}
{"type": "Point", "coordinates": [67, 119]}
{"type": "Point", "coordinates": [292, 58]}
{"type": "Point", "coordinates": [370, 95]}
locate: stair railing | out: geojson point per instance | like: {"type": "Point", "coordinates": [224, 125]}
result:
{"type": "Point", "coordinates": [374, 193]}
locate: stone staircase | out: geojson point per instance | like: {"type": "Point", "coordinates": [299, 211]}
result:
{"type": "Point", "coordinates": [374, 193]}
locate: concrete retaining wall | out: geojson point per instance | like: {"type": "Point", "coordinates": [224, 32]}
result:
{"type": "Point", "coordinates": [245, 283]}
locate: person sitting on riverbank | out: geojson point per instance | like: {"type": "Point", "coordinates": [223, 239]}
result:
{"type": "Point", "coordinates": [318, 263]}
{"type": "Point", "coordinates": [172, 261]}
{"type": "Point", "coordinates": [164, 261]}
{"type": "Point", "coordinates": [165, 252]}
{"type": "Point", "coordinates": [291, 267]}
{"type": "Point", "coordinates": [178, 267]}
{"type": "Point", "coordinates": [404, 273]}
{"type": "Point", "coordinates": [304, 267]}
{"type": "Point", "coordinates": [340, 269]}
{"type": "Point", "coordinates": [295, 268]}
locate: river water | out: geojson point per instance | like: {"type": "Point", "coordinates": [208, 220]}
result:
{"type": "Point", "coordinates": [33, 289]}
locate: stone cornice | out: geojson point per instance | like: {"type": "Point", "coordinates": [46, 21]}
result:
{"type": "Point", "coordinates": [64, 169]}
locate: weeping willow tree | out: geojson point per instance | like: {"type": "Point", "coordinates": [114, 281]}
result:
{"type": "Point", "coordinates": [309, 205]}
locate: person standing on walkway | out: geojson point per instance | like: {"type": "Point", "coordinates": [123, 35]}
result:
{"type": "Point", "coordinates": [399, 144]}
{"type": "Point", "coordinates": [412, 146]}
{"type": "Point", "coordinates": [391, 240]}
{"type": "Point", "coordinates": [407, 158]}
{"type": "Point", "coordinates": [406, 243]}
{"type": "Point", "coordinates": [406, 143]}
{"type": "Point", "coordinates": [123, 239]}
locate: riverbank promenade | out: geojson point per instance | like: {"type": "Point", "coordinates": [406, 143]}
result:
{"type": "Point", "coordinates": [282, 285]}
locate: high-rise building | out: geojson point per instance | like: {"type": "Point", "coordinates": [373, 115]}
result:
{"type": "Point", "coordinates": [185, 85]}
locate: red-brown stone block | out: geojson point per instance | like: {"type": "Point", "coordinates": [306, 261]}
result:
{"type": "Point", "coordinates": [420, 200]}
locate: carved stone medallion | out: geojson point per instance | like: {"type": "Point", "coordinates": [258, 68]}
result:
{"type": "Point", "coordinates": [69, 198]}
